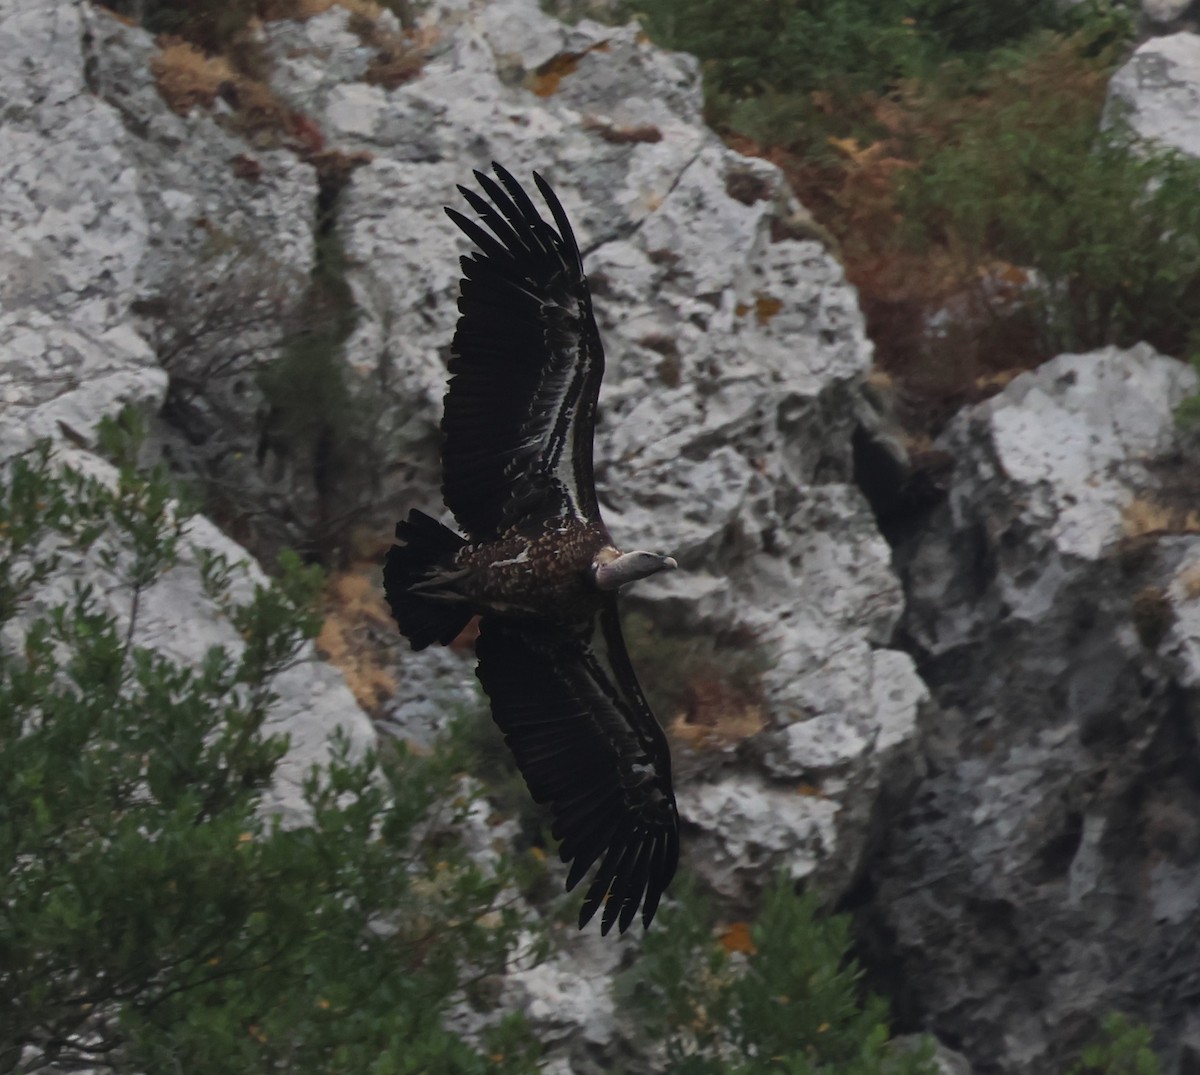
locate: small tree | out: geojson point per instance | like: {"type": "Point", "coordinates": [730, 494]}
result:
{"type": "Point", "coordinates": [777, 996]}
{"type": "Point", "coordinates": [152, 917]}
{"type": "Point", "coordinates": [1121, 1048]}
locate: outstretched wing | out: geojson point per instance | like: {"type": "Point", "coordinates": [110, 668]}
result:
{"type": "Point", "coordinates": [587, 744]}
{"type": "Point", "coordinates": [526, 368]}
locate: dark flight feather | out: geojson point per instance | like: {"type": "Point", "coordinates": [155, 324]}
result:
{"type": "Point", "coordinates": [589, 747]}
{"type": "Point", "coordinates": [526, 368]}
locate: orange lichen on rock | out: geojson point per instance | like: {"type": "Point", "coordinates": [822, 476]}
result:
{"type": "Point", "coordinates": [766, 307]}
{"type": "Point", "coordinates": [610, 132]}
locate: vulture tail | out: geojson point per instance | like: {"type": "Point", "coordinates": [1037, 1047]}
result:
{"type": "Point", "coordinates": [411, 571]}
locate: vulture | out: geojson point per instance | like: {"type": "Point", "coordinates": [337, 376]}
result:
{"type": "Point", "coordinates": [534, 560]}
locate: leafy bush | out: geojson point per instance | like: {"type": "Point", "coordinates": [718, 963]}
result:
{"type": "Point", "coordinates": [1122, 1049]}
{"type": "Point", "coordinates": [778, 996]}
{"type": "Point", "coordinates": [1187, 414]}
{"type": "Point", "coordinates": [1109, 225]}
{"type": "Point", "coordinates": [152, 917]}
{"type": "Point", "coordinates": [954, 151]}
{"type": "Point", "coordinates": [312, 417]}
{"type": "Point", "coordinates": [685, 664]}
{"type": "Point", "coordinates": [210, 24]}
{"type": "Point", "coordinates": [255, 351]}
{"type": "Point", "coordinates": [796, 72]}
{"type": "Point", "coordinates": [774, 72]}
{"type": "Point", "coordinates": [782, 995]}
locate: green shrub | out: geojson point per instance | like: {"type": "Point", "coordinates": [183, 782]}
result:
{"type": "Point", "coordinates": [780, 996]}
{"type": "Point", "coordinates": [952, 148]}
{"type": "Point", "coordinates": [237, 324]}
{"type": "Point", "coordinates": [1187, 414]}
{"type": "Point", "coordinates": [1123, 1048]}
{"type": "Point", "coordinates": [210, 24]}
{"type": "Point", "coordinates": [1109, 224]}
{"type": "Point", "coordinates": [796, 72]}
{"type": "Point", "coordinates": [763, 68]}
{"type": "Point", "coordinates": [151, 917]}
{"type": "Point", "coordinates": [684, 664]}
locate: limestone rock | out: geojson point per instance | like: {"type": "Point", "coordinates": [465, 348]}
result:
{"type": "Point", "coordinates": [97, 204]}
{"type": "Point", "coordinates": [569, 996]}
{"type": "Point", "coordinates": [1043, 875]}
{"type": "Point", "coordinates": [734, 357]}
{"type": "Point", "coordinates": [1158, 91]}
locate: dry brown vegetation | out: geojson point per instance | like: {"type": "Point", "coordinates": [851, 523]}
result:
{"type": "Point", "coordinates": [951, 156]}
{"type": "Point", "coordinates": [1189, 579]}
{"type": "Point", "coordinates": [194, 69]}
{"type": "Point", "coordinates": [856, 193]}
{"type": "Point", "coordinates": [716, 715]}
{"type": "Point", "coordinates": [357, 635]}
{"type": "Point", "coordinates": [187, 77]}
{"type": "Point", "coordinates": [364, 9]}
{"type": "Point", "coordinates": [1145, 515]}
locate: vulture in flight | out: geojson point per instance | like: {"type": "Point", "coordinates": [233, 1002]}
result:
{"type": "Point", "coordinates": [537, 564]}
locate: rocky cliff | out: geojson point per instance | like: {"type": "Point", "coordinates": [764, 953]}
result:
{"type": "Point", "coordinates": [983, 741]}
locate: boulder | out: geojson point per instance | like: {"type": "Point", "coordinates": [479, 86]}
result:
{"type": "Point", "coordinates": [1044, 874]}
{"type": "Point", "coordinates": [1157, 91]}
{"type": "Point", "coordinates": [164, 243]}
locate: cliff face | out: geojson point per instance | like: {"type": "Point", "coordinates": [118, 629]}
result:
{"type": "Point", "coordinates": [1044, 873]}
{"type": "Point", "coordinates": [102, 193]}
{"type": "Point", "coordinates": [210, 249]}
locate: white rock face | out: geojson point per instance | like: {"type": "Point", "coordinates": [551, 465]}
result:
{"type": "Point", "coordinates": [1044, 872]}
{"type": "Point", "coordinates": [1075, 438]}
{"type": "Point", "coordinates": [564, 1006]}
{"type": "Point", "coordinates": [1158, 91]}
{"type": "Point", "coordinates": [73, 236]}
{"type": "Point", "coordinates": [89, 207]}
{"type": "Point", "coordinates": [733, 350]}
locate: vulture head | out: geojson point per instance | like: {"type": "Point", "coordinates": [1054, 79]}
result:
{"type": "Point", "coordinates": [614, 569]}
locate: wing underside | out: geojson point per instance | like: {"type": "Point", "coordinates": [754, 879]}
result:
{"type": "Point", "coordinates": [525, 369]}
{"type": "Point", "coordinates": [588, 746]}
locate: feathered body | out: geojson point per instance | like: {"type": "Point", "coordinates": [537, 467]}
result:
{"type": "Point", "coordinates": [537, 562]}
{"type": "Point", "coordinates": [545, 576]}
